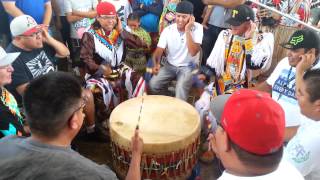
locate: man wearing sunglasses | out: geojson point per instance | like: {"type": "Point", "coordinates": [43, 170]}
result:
{"type": "Point", "coordinates": [249, 136]}
{"type": "Point", "coordinates": [54, 111]}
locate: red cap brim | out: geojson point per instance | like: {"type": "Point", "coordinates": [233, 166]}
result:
{"type": "Point", "coordinates": [33, 30]}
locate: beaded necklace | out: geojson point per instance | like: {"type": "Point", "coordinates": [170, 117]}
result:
{"type": "Point", "coordinates": [110, 39]}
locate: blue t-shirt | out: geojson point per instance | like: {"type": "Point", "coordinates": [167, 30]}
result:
{"type": "Point", "coordinates": [34, 8]}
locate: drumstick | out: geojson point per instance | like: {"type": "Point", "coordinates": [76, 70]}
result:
{"type": "Point", "coordinates": [137, 127]}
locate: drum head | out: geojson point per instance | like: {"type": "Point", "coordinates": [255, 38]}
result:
{"type": "Point", "coordinates": [166, 124]}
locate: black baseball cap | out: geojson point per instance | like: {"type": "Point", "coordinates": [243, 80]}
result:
{"type": "Point", "coordinates": [305, 38]}
{"type": "Point", "coordinates": [184, 7]}
{"type": "Point", "coordinates": [240, 14]}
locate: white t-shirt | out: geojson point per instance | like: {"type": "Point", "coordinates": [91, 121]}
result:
{"type": "Point", "coordinates": [283, 84]}
{"type": "Point", "coordinates": [285, 171]}
{"type": "Point", "coordinates": [123, 8]}
{"type": "Point", "coordinates": [175, 43]}
{"type": "Point", "coordinates": [303, 150]}
{"type": "Point", "coordinates": [79, 27]}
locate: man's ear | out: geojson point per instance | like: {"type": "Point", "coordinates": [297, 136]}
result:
{"type": "Point", "coordinates": [225, 146]}
{"type": "Point", "coordinates": [317, 104]}
{"type": "Point", "coordinates": [73, 122]}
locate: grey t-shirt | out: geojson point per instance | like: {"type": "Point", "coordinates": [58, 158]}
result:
{"type": "Point", "coordinates": [219, 16]}
{"type": "Point", "coordinates": [23, 158]}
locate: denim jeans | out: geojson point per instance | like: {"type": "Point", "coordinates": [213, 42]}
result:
{"type": "Point", "coordinates": [159, 83]}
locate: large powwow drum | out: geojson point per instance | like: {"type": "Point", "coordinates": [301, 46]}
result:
{"type": "Point", "coordinates": [170, 129]}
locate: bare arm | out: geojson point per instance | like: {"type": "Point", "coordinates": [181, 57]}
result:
{"type": "Point", "coordinates": [55, 7]}
{"type": "Point", "coordinates": [224, 3]}
{"type": "Point", "coordinates": [89, 14]}
{"type": "Point", "coordinates": [73, 18]}
{"type": "Point", "coordinates": [60, 48]}
{"type": "Point", "coordinates": [157, 55]}
{"type": "Point", "coordinates": [193, 47]}
{"type": "Point", "coordinates": [156, 60]}
{"type": "Point", "coordinates": [12, 9]}
{"type": "Point", "coordinates": [137, 147]}
{"type": "Point", "coordinates": [206, 16]}
{"type": "Point", "coordinates": [47, 13]}
{"type": "Point", "coordinates": [56, 10]}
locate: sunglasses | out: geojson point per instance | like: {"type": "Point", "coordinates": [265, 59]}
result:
{"type": "Point", "coordinates": [108, 17]}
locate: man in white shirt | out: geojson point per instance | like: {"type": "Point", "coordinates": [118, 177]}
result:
{"type": "Point", "coordinates": [181, 41]}
{"type": "Point", "coordinates": [249, 136]}
{"type": "Point", "coordinates": [304, 148]}
{"type": "Point", "coordinates": [281, 82]}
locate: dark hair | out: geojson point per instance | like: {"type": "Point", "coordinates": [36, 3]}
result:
{"type": "Point", "coordinates": [258, 161]}
{"type": "Point", "coordinates": [312, 79]}
{"type": "Point", "coordinates": [133, 17]}
{"type": "Point", "coordinates": [48, 102]}
{"type": "Point", "coordinates": [96, 25]}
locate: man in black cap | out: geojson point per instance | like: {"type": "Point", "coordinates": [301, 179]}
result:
{"type": "Point", "coordinates": [235, 51]}
{"type": "Point", "coordinates": [233, 54]}
{"type": "Point", "coordinates": [281, 82]}
{"type": "Point", "coordinates": [181, 41]}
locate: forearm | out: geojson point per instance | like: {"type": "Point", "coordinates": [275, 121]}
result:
{"type": "Point", "coordinates": [224, 3]}
{"type": "Point", "coordinates": [157, 55]}
{"type": "Point", "coordinates": [55, 7]}
{"type": "Point", "coordinates": [61, 49]}
{"type": "Point", "coordinates": [72, 18]}
{"type": "Point", "coordinates": [207, 14]}
{"type": "Point", "coordinates": [299, 78]}
{"type": "Point", "coordinates": [134, 169]}
{"type": "Point", "coordinates": [88, 14]}
{"type": "Point", "coordinates": [156, 59]}
{"type": "Point", "coordinates": [47, 14]}
{"type": "Point", "coordinates": [193, 48]}
{"type": "Point", "coordinates": [11, 9]}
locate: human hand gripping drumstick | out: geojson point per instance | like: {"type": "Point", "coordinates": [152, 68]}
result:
{"type": "Point", "coordinates": [136, 143]}
{"type": "Point", "coordinates": [136, 147]}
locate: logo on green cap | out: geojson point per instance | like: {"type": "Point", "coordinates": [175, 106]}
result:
{"type": "Point", "coordinates": [296, 40]}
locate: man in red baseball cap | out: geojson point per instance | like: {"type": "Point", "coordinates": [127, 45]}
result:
{"type": "Point", "coordinates": [249, 136]}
